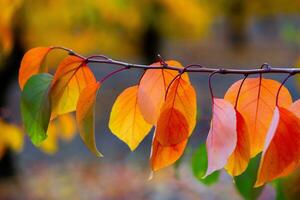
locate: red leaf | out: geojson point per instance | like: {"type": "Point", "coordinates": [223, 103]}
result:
{"type": "Point", "coordinates": [281, 152]}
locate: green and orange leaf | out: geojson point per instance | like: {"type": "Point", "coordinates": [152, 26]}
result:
{"type": "Point", "coordinates": [85, 116]}
{"type": "Point", "coordinates": [256, 104]}
{"type": "Point", "coordinates": [126, 120]}
{"type": "Point", "coordinates": [32, 64]}
{"type": "Point", "coordinates": [71, 77]}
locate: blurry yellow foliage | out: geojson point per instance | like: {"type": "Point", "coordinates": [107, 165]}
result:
{"type": "Point", "coordinates": [11, 136]}
{"type": "Point", "coordinates": [63, 127]}
{"type": "Point", "coordinates": [8, 10]}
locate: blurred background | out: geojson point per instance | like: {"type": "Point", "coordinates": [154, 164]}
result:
{"type": "Point", "coordinates": [220, 33]}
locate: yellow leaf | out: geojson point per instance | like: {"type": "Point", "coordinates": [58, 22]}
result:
{"type": "Point", "coordinates": [126, 120]}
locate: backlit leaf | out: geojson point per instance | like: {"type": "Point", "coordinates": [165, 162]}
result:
{"type": "Point", "coordinates": [35, 107]}
{"type": "Point", "coordinates": [238, 161]}
{"type": "Point", "coordinates": [31, 64]}
{"type": "Point", "coordinates": [256, 104]}
{"type": "Point", "coordinates": [281, 153]}
{"type": "Point", "coordinates": [152, 90]}
{"type": "Point", "coordinates": [85, 116]}
{"type": "Point", "coordinates": [177, 119]}
{"type": "Point", "coordinates": [199, 166]}
{"type": "Point", "coordinates": [126, 120]}
{"type": "Point", "coordinates": [222, 137]}
{"type": "Point", "coordinates": [164, 156]}
{"type": "Point", "coordinates": [71, 77]}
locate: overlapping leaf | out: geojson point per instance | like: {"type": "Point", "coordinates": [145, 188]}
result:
{"type": "Point", "coordinates": [256, 104]}
{"type": "Point", "coordinates": [222, 137]}
{"type": "Point", "coordinates": [85, 116]}
{"type": "Point", "coordinates": [31, 64]}
{"type": "Point", "coordinates": [163, 156]}
{"type": "Point", "coordinates": [281, 153]}
{"type": "Point", "coordinates": [36, 107]}
{"type": "Point", "coordinates": [126, 120]}
{"type": "Point", "coordinates": [239, 159]}
{"type": "Point", "coordinates": [71, 77]}
{"type": "Point", "coordinates": [152, 90]}
{"type": "Point", "coordinates": [177, 118]}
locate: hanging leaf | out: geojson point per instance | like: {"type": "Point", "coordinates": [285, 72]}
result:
{"type": "Point", "coordinates": [36, 108]}
{"type": "Point", "coordinates": [281, 153]}
{"type": "Point", "coordinates": [244, 183]}
{"type": "Point", "coordinates": [152, 90]}
{"type": "Point", "coordinates": [164, 156]}
{"type": "Point", "coordinates": [126, 120]}
{"type": "Point", "coordinates": [199, 167]}
{"type": "Point", "coordinates": [177, 119]}
{"type": "Point", "coordinates": [222, 137]}
{"type": "Point", "coordinates": [256, 104]}
{"type": "Point", "coordinates": [31, 64]}
{"type": "Point", "coordinates": [71, 77]}
{"type": "Point", "coordinates": [85, 116]}
{"type": "Point", "coordinates": [239, 159]}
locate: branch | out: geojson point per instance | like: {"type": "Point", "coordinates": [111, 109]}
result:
{"type": "Point", "coordinates": [265, 68]}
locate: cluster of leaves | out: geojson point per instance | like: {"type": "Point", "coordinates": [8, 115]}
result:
{"type": "Point", "coordinates": [253, 116]}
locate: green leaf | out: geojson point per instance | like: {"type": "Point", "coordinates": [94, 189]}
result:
{"type": "Point", "coordinates": [245, 182]}
{"type": "Point", "coordinates": [199, 166]}
{"type": "Point", "coordinates": [36, 107]}
{"type": "Point", "coordinates": [280, 195]}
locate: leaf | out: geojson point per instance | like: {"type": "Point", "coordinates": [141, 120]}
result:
{"type": "Point", "coordinates": [256, 104]}
{"type": "Point", "coordinates": [222, 137]}
{"type": "Point", "coordinates": [244, 183]}
{"type": "Point", "coordinates": [67, 126]}
{"type": "Point", "coordinates": [164, 156]}
{"type": "Point", "coordinates": [31, 63]}
{"type": "Point", "coordinates": [177, 119]}
{"type": "Point", "coordinates": [71, 77]}
{"type": "Point", "coordinates": [126, 120]}
{"type": "Point", "coordinates": [11, 136]}
{"type": "Point", "coordinates": [239, 159]}
{"type": "Point", "coordinates": [85, 116]}
{"type": "Point", "coordinates": [50, 144]}
{"type": "Point", "coordinates": [281, 153]}
{"type": "Point", "coordinates": [199, 167]}
{"type": "Point", "coordinates": [295, 108]}
{"type": "Point", "coordinates": [152, 90]}
{"type": "Point", "coordinates": [35, 107]}
{"type": "Point", "coordinates": [280, 193]}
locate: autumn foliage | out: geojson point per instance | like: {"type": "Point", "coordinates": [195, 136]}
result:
{"type": "Point", "coordinates": [256, 115]}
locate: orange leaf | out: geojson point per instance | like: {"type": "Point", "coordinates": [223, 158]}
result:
{"type": "Point", "coordinates": [256, 104]}
{"type": "Point", "coordinates": [281, 151]}
{"type": "Point", "coordinates": [71, 77]}
{"type": "Point", "coordinates": [222, 137]}
{"type": "Point", "coordinates": [163, 156]}
{"type": "Point", "coordinates": [85, 116]}
{"type": "Point", "coordinates": [178, 114]}
{"type": "Point", "coordinates": [239, 159]}
{"type": "Point", "coordinates": [126, 120]}
{"type": "Point", "coordinates": [152, 90]}
{"type": "Point", "coordinates": [31, 63]}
